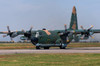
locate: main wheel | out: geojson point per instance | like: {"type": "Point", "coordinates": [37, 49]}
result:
{"type": "Point", "coordinates": [37, 47]}
{"type": "Point", "coordinates": [46, 47]}
{"type": "Point", "coordinates": [62, 46]}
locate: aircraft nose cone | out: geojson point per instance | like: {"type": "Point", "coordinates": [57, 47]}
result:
{"type": "Point", "coordinates": [34, 40]}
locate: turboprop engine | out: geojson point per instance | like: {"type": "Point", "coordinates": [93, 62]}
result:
{"type": "Point", "coordinates": [87, 33]}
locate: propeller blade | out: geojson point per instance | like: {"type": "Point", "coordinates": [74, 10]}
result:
{"type": "Point", "coordinates": [8, 29]}
{"type": "Point", "coordinates": [65, 27]}
{"type": "Point", "coordinates": [31, 28]}
{"type": "Point", "coordinates": [92, 37]}
{"type": "Point", "coordinates": [82, 27]}
{"type": "Point", "coordinates": [90, 27]}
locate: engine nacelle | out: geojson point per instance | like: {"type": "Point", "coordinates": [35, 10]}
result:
{"type": "Point", "coordinates": [23, 38]}
{"type": "Point", "coordinates": [14, 34]}
{"type": "Point", "coordinates": [84, 37]}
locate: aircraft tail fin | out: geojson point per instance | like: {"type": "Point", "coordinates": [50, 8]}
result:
{"type": "Point", "coordinates": [73, 23]}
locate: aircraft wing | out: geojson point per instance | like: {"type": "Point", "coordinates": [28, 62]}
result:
{"type": "Point", "coordinates": [3, 32]}
{"type": "Point", "coordinates": [96, 30]}
{"type": "Point", "coordinates": [92, 30]}
{"type": "Point", "coordinates": [18, 32]}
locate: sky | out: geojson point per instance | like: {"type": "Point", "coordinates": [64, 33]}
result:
{"type": "Point", "coordinates": [49, 14]}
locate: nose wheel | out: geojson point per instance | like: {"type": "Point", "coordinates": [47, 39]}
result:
{"type": "Point", "coordinates": [63, 46]}
{"type": "Point", "coordinates": [37, 47]}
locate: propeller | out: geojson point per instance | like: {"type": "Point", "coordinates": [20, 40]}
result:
{"type": "Point", "coordinates": [87, 32]}
{"type": "Point", "coordinates": [64, 35]}
{"type": "Point", "coordinates": [34, 39]}
{"type": "Point", "coordinates": [90, 27]}
{"type": "Point", "coordinates": [9, 33]}
{"type": "Point", "coordinates": [28, 33]}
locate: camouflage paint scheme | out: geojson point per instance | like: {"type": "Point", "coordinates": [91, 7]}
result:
{"type": "Point", "coordinates": [56, 38]}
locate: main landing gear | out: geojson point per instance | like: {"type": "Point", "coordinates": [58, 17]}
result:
{"type": "Point", "coordinates": [37, 47]}
{"type": "Point", "coordinates": [63, 46]}
{"type": "Point", "coordinates": [46, 47]}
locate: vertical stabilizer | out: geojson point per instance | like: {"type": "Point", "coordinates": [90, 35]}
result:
{"type": "Point", "coordinates": [73, 23]}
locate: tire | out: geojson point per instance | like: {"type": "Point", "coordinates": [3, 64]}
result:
{"type": "Point", "coordinates": [37, 47]}
{"type": "Point", "coordinates": [62, 46]}
{"type": "Point", "coordinates": [46, 47]}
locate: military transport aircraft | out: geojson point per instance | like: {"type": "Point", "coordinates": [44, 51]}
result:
{"type": "Point", "coordinates": [56, 38]}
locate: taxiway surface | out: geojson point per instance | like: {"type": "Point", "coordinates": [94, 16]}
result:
{"type": "Point", "coordinates": [67, 50]}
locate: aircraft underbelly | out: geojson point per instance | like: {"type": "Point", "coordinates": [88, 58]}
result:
{"type": "Point", "coordinates": [49, 45]}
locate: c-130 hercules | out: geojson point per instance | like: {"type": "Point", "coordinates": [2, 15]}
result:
{"type": "Point", "coordinates": [56, 38]}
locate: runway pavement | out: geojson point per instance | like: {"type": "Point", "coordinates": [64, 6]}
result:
{"type": "Point", "coordinates": [67, 50]}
